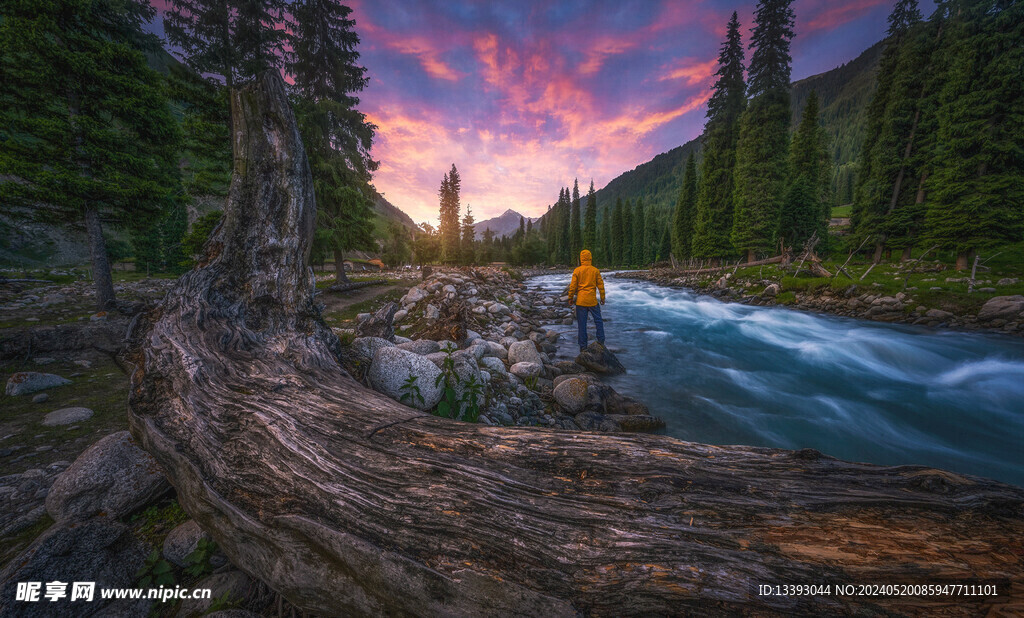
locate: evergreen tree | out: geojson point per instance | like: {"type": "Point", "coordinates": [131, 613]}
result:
{"type": "Point", "coordinates": [763, 144]}
{"type": "Point", "coordinates": [713, 219]}
{"type": "Point", "coordinates": [652, 236]}
{"type": "Point", "coordinates": [575, 232]}
{"type": "Point", "coordinates": [977, 199]}
{"type": "Point", "coordinates": [468, 252]}
{"type": "Point", "coordinates": [206, 132]}
{"type": "Point", "coordinates": [627, 234]}
{"type": "Point", "coordinates": [639, 220]}
{"type": "Point", "coordinates": [605, 240]}
{"type": "Point", "coordinates": [323, 63]}
{"type": "Point", "coordinates": [451, 186]}
{"type": "Point", "coordinates": [616, 235]}
{"type": "Point", "coordinates": [86, 134]}
{"type": "Point", "coordinates": [235, 40]}
{"type": "Point", "coordinates": [665, 244]}
{"type": "Point", "coordinates": [590, 220]}
{"type": "Point", "coordinates": [802, 210]}
{"type": "Point", "coordinates": [685, 213]}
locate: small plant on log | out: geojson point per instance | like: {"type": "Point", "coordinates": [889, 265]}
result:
{"type": "Point", "coordinates": [411, 391]}
{"type": "Point", "coordinates": [471, 395]}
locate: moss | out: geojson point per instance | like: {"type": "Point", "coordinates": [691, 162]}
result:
{"type": "Point", "coordinates": [786, 298]}
{"type": "Point", "coordinates": [154, 523]}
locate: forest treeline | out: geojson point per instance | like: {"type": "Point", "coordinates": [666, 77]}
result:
{"type": "Point", "coordinates": [93, 137]}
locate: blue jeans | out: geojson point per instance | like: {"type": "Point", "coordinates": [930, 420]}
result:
{"type": "Point", "coordinates": [581, 324]}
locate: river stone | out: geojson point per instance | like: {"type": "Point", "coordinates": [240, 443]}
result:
{"type": "Point", "coordinates": [67, 416]}
{"type": "Point", "coordinates": [380, 324]}
{"type": "Point", "coordinates": [421, 346]}
{"type": "Point", "coordinates": [28, 382]}
{"type": "Point", "coordinates": [1001, 307]}
{"type": "Point", "coordinates": [100, 550]}
{"type": "Point", "coordinates": [446, 345]}
{"type": "Point", "coordinates": [363, 348]}
{"type": "Point", "coordinates": [593, 421]}
{"type": "Point", "coordinates": [432, 312]}
{"type": "Point", "coordinates": [40, 397]}
{"type": "Point", "coordinates": [113, 477]}
{"type": "Point", "coordinates": [478, 350]}
{"type": "Point", "coordinates": [570, 367]}
{"type": "Point", "coordinates": [523, 352]}
{"type": "Point", "coordinates": [494, 365]}
{"type": "Point", "coordinates": [496, 350]}
{"type": "Point", "coordinates": [413, 296]}
{"type": "Point", "coordinates": [571, 395]}
{"type": "Point", "coordinates": [390, 369]}
{"type": "Point", "coordinates": [939, 314]}
{"type": "Point", "coordinates": [772, 289]}
{"type": "Point", "coordinates": [526, 370]}
{"type": "Point", "coordinates": [599, 359]}
{"type": "Point", "coordinates": [182, 541]}
{"type": "Point", "coordinates": [239, 589]}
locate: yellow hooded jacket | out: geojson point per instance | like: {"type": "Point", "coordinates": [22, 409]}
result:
{"type": "Point", "coordinates": [586, 280]}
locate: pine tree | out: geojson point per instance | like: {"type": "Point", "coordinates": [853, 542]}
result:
{"type": "Point", "coordinates": [652, 236]}
{"type": "Point", "coordinates": [639, 220]}
{"type": "Point", "coordinates": [565, 255]}
{"type": "Point", "coordinates": [468, 251]}
{"type": "Point", "coordinates": [605, 241]}
{"type": "Point", "coordinates": [977, 197]}
{"type": "Point", "coordinates": [235, 40]}
{"type": "Point", "coordinates": [713, 219]}
{"type": "Point", "coordinates": [323, 63]}
{"type": "Point", "coordinates": [665, 244]}
{"type": "Point", "coordinates": [575, 232]}
{"type": "Point", "coordinates": [590, 220]}
{"type": "Point", "coordinates": [802, 212]}
{"type": "Point", "coordinates": [206, 131]}
{"type": "Point", "coordinates": [685, 213]}
{"type": "Point", "coordinates": [86, 134]}
{"type": "Point", "coordinates": [617, 233]}
{"type": "Point", "coordinates": [449, 216]}
{"type": "Point", "coordinates": [763, 144]}
{"type": "Point", "coordinates": [627, 234]}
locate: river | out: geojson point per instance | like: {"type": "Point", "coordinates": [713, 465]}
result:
{"type": "Point", "coordinates": [726, 373]}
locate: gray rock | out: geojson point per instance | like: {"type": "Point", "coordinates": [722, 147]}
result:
{"type": "Point", "coordinates": [67, 416]}
{"type": "Point", "coordinates": [238, 588]}
{"type": "Point", "coordinates": [413, 296]}
{"type": "Point", "coordinates": [523, 352]}
{"type": "Point", "coordinates": [477, 350]}
{"type": "Point", "coordinates": [380, 324]}
{"type": "Point", "coordinates": [113, 476]}
{"type": "Point", "coordinates": [44, 360]}
{"type": "Point", "coordinates": [28, 382]}
{"type": "Point", "coordinates": [400, 339]}
{"type": "Point", "coordinates": [100, 550]}
{"type": "Point", "coordinates": [447, 345]}
{"type": "Point", "coordinates": [479, 310]}
{"type": "Point", "coordinates": [571, 395]}
{"type": "Point", "coordinates": [636, 422]}
{"type": "Point", "coordinates": [570, 367]}
{"type": "Point", "coordinates": [391, 367]}
{"type": "Point", "coordinates": [472, 335]}
{"type": "Point", "coordinates": [182, 541]}
{"type": "Point", "coordinates": [363, 348]}
{"type": "Point", "coordinates": [496, 350]}
{"type": "Point", "coordinates": [526, 370]}
{"type": "Point", "coordinates": [507, 342]}
{"type": "Point", "coordinates": [498, 308]}
{"type": "Point", "coordinates": [432, 312]}
{"type": "Point", "coordinates": [421, 346]}
{"type": "Point", "coordinates": [998, 307]}
{"type": "Point", "coordinates": [599, 359]}
{"type": "Point", "coordinates": [40, 398]}
{"type": "Point", "coordinates": [494, 365]}
{"type": "Point", "coordinates": [772, 290]}
{"type": "Point", "coordinates": [939, 314]}
{"type": "Point", "coordinates": [400, 315]}
{"type": "Point", "coordinates": [593, 421]}
{"type": "Point", "coordinates": [485, 376]}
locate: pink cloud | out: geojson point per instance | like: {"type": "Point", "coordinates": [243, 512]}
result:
{"type": "Point", "coordinates": [691, 72]}
{"type": "Point", "coordinates": [835, 15]}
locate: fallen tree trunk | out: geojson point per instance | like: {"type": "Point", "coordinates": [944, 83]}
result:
{"type": "Point", "coordinates": [775, 260]}
{"type": "Point", "coordinates": [355, 285]}
{"type": "Point", "coordinates": [349, 503]}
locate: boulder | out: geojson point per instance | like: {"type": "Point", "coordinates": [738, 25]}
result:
{"type": "Point", "coordinates": [523, 352]}
{"type": "Point", "coordinates": [494, 365]}
{"type": "Point", "coordinates": [100, 550]}
{"type": "Point", "coordinates": [496, 350]}
{"type": "Point", "coordinates": [238, 589]}
{"type": "Point", "coordinates": [182, 541]}
{"type": "Point", "coordinates": [28, 382]}
{"type": "Point", "coordinates": [363, 348]}
{"type": "Point", "coordinates": [391, 367]}
{"type": "Point", "coordinates": [526, 370]}
{"type": "Point", "coordinates": [599, 359]}
{"type": "Point", "coordinates": [571, 395]}
{"type": "Point", "coordinates": [570, 367]}
{"type": "Point", "coordinates": [939, 314]}
{"type": "Point", "coordinates": [113, 477]}
{"type": "Point", "coordinates": [420, 346]}
{"type": "Point", "coordinates": [1001, 307]}
{"type": "Point", "coordinates": [67, 416]}
{"type": "Point", "coordinates": [380, 324]}
{"type": "Point", "coordinates": [400, 315]}
{"type": "Point", "coordinates": [498, 308]}
{"type": "Point", "coordinates": [413, 296]}
{"type": "Point", "coordinates": [446, 345]}
{"type": "Point", "coordinates": [771, 290]}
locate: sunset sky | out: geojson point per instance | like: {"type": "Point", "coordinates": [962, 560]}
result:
{"type": "Point", "coordinates": [525, 96]}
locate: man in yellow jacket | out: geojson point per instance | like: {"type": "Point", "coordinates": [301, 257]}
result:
{"type": "Point", "coordinates": [586, 281]}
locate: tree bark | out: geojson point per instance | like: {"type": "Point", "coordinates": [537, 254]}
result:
{"type": "Point", "coordinates": [339, 267]}
{"type": "Point", "coordinates": [103, 281]}
{"type": "Point", "coordinates": [349, 503]}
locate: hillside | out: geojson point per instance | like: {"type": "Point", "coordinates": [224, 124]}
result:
{"type": "Point", "coordinates": [505, 224]}
{"type": "Point", "coordinates": [385, 212]}
{"type": "Point", "coordinates": [844, 93]}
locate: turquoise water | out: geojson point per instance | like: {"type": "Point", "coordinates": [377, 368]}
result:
{"type": "Point", "coordinates": [725, 373]}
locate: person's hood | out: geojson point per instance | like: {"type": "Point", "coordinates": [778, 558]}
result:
{"type": "Point", "coordinates": [585, 257]}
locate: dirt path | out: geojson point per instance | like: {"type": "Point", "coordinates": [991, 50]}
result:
{"type": "Point", "coordinates": [339, 306]}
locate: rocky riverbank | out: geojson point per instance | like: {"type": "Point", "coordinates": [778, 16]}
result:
{"type": "Point", "coordinates": [482, 330]}
{"type": "Point", "coordinates": [913, 304]}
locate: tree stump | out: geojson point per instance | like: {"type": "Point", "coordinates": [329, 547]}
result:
{"type": "Point", "coordinates": [348, 503]}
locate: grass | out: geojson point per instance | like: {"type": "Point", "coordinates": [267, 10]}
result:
{"type": "Point", "coordinates": [348, 314]}
{"type": "Point", "coordinates": [154, 524]}
{"type": "Point", "coordinates": [842, 211]}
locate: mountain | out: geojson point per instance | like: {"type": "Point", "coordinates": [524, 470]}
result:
{"type": "Point", "coordinates": [505, 224]}
{"type": "Point", "coordinates": [843, 93]}
{"type": "Point", "coordinates": [385, 212]}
